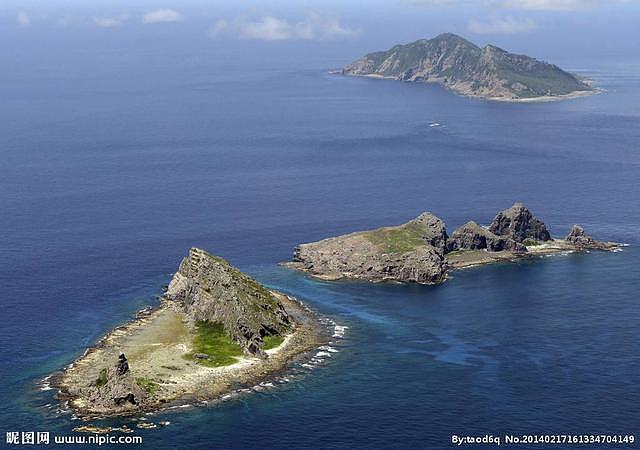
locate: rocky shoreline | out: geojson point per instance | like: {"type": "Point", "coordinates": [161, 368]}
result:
{"type": "Point", "coordinates": [217, 330]}
{"type": "Point", "coordinates": [470, 94]}
{"type": "Point", "coordinates": [149, 363]}
{"type": "Point", "coordinates": [421, 251]}
{"type": "Point", "coordinates": [543, 98]}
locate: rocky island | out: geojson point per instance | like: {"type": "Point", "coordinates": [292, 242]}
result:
{"type": "Point", "coordinates": [486, 72]}
{"type": "Point", "coordinates": [216, 329]}
{"type": "Point", "coordinates": [421, 251]}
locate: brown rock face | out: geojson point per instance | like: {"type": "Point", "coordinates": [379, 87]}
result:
{"type": "Point", "coordinates": [578, 236]}
{"type": "Point", "coordinates": [420, 250]}
{"type": "Point", "coordinates": [423, 265]}
{"type": "Point", "coordinates": [519, 224]}
{"type": "Point", "coordinates": [116, 387]}
{"type": "Point", "coordinates": [211, 290]}
{"type": "Point", "coordinates": [580, 239]}
{"type": "Point", "coordinates": [410, 252]}
{"type": "Point", "coordinates": [123, 365]}
{"type": "Point", "coordinates": [472, 236]}
{"type": "Point", "coordinates": [433, 232]}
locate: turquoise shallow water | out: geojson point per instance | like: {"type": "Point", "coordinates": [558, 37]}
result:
{"type": "Point", "coordinates": [104, 189]}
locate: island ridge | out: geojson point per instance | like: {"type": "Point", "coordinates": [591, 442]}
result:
{"type": "Point", "coordinates": [487, 72]}
{"type": "Point", "coordinates": [421, 251]}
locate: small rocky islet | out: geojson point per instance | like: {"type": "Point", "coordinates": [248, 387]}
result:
{"type": "Point", "coordinates": [216, 329]}
{"type": "Point", "coordinates": [421, 251]}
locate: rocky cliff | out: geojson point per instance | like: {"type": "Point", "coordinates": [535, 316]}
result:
{"type": "Point", "coordinates": [463, 67]}
{"type": "Point", "coordinates": [421, 251]}
{"type": "Point", "coordinates": [472, 236]}
{"type": "Point", "coordinates": [518, 223]}
{"type": "Point", "coordinates": [209, 289]}
{"type": "Point", "coordinates": [409, 252]}
{"type": "Point", "coordinates": [116, 387]}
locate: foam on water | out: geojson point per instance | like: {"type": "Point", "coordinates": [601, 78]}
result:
{"type": "Point", "coordinates": [339, 330]}
{"type": "Point", "coordinates": [45, 384]}
{"type": "Point", "coordinates": [328, 348]}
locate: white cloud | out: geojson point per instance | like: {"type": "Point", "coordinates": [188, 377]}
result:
{"type": "Point", "coordinates": [440, 2]}
{"type": "Point", "coordinates": [550, 5]}
{"type": "Point", "coordinates": [269, 28]}
{"type": "Point", "coordinates": [530, 5]}
{"type": "Point", "coordinates": [162, 15]}
{"type": "Point", "coordinates": [506, 25]}
{"type": "Point", "coordinates": [110, 22]}
{"type": "Point", "coordinates": [23, 19]}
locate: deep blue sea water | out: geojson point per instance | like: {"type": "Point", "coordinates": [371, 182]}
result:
{"type": "Point", "coordinates": [112, 170]}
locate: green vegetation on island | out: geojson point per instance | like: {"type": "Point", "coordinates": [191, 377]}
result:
{"type": "Point", "coordinates": [421, 250]}
{"type": "Point", "coordinates": [213, 291]}
{"type": "Point", "coordinates": [488, 72]}
{"type": "Point", "coordinates": [102, 378]}
{"type": "Point", "coordinates": [272, 342]}
{"type": "Point", "coordinates": [212, 340]}
{"type": "Point", "coordinates": [147, 384]}
{"type": "Point", "coordinates": [405, 238]}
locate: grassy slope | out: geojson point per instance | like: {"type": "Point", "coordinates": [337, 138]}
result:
{"type": "Point", "coordinates": [272, 341]}
{"type": "Point", "coordinates": [102, 378]}
{"type": "Point", "coordinates": [148, 385]}
{"type": "Point", "coordinates": [212, 340]}
{"type": "Point", "coordinates": [401, 239]}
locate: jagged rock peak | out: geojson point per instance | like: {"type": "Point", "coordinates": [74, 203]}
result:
{"type": "Point", "coordinates": [576, 231]}
{"type": "Point", "coordinates": [116, 386]}
{"type": "Point", "coordinates": [577, 236]}
{"type": "Point", "coordinates": [518, 223]}
{"type": "Point", "coordinates": [210, 289]}
{"type": "Point", "coordinates": [469, 236]}
{"type": "Point", "coordinates": [434, 229]}
{"type": "Point", "coordinates": [472, 236]}
{"type": "Point", "coordinates": [123, 365]}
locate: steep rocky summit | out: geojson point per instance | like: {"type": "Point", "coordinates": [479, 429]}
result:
{"type": "Point", "coordinates": [472, 236]}
{"type": "Point", "coordinates": [209, 289]}
{"type": "Point", "coordinates": [465, 68]}
{"type": "Point", "coordinates": [519, 224]}
{"type": "Point", "coordinates": [421, 251]}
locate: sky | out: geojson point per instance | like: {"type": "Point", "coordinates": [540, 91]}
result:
{"type": "Point", "coordinates": [555, 30]}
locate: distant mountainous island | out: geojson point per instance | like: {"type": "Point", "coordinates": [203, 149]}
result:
{"type": "Point", "coordinates": [461, 66]}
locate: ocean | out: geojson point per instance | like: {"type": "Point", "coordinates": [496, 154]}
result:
{"type": "Point", "coordinates": [112, 167]}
